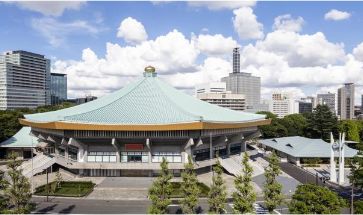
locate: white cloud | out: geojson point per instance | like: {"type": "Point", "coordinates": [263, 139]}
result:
{"type": "Point", "coordinates": [301, 49]}
{"type": "Point", "coordinates": [246, 25]}
{"type": "Point", "coordinates": [358, 52]}
{"type": "Point", "coordinates": [170, 54]}
{"type": "Point", "coordinates": [214, 44]}
{"type": "Point", "coordinates": [287, 23]}
{"type": "Point", "coordinates": [132, 31]}
{"type": "Point", "coordinates": [50, 8]}
{"type": "Point", "coordinates": [56, 31]}
{"type": "Point", "coordinates": [220, 5]}
{"type": "Point", "coordinates": [337, 15]}
{"type": "Point", "coordinates": [301, 63]}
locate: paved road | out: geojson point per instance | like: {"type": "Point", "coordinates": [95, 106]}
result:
{"type": "Point", "coordinates": [89, 206]}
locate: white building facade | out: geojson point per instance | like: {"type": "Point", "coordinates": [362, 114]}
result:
{"type": "Point", "coordinates": [24, 80]}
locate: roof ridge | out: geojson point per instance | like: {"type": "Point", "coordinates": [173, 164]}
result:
{"type": "Point", "coordinates": [131, 90]}
{"type": "Point", "coordinates": [175, 105]}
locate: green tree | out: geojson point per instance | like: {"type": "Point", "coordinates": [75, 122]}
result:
{"type": "Point", "coordinates": [18, 192]}
{"type": "Point", "coordinates": [356, 170]}
{"type": "Point", "coordinates": [272, 189]}
{"type": "Point", "coordinates": [295, 124]}
{"type": "Point", "coordinates": [275, 129]}
{"type": "Point", "coordinates": [217, 195]}
{"type": "Point", "coordinates": [358, 207]}
{"type": "Point", "coordinates": [314, 199]}
{"type": "Point", "coordinates": [351, 128]}
{"type": "Point", "coordinates": [160, 191]}
{"type": "Point", "coordinates": [3, 186]}
{"type": "Point", "coordinates": [190, 189]}
{"type": "Point", "coordinates": [245, 196]}
{"type": "Point", "coordinates": [321, 122]}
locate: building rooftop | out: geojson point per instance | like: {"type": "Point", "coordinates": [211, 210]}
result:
{"type": "Point", "coordinates": [302, 147]}
{"type": "Point", "coordinates": [22, 139]}
{"type": "Point", "coordinates": [147, 101]}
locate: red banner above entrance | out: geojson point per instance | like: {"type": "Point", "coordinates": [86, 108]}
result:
{"type": "Point", "coordinates": [134, 146]}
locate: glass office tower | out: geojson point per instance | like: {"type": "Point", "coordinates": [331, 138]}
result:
{"type": "Point", "coordinates": [58, 88]}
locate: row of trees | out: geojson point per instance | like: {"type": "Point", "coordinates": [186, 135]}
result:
{"type": "Point", "coordinates": [16, 194]}
{"type": "Point", "coordinates": [244, 196]}
{"type": "Point", "coordinates": [9, 123]}
{"type": "Point", "coordinates": [317, 124]}
{"type": "Point", "coordinates": [308, 198]}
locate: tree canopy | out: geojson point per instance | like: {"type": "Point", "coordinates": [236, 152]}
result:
{"type": "Point", "coordinates": [314, 199]}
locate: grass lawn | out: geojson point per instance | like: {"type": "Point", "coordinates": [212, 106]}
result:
{"type": "Point", "coordinates": [176, 192]}
{"type": "Point", "coordinates": [67, 189]}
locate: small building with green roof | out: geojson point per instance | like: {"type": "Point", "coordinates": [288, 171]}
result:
{"type": "Point", "coordinates": [302, 150]}
{"type": "Point", "coordinates": [21, 144]}
{"type": "Point", "coordinates": [129, 131]}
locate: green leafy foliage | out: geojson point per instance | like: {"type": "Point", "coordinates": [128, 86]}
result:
{"type": "Point", "coordinates": [190, 188]}
{"type": "Point", "coordinates": [321, 122]}
{"type": "Point", "coordinates": [160, 191]}
{"type": "Point", "coordinates": [217, 194]}
{"type": "Point", "coordinates": [17, 192]}
{"type": "Point", "coordinates": [314, 199]}
{"type": "Point", "coordinates": [9, 119]}
{"type": "Point", "coordinates": [244, 196]}
{"type": "Point", "coordinates": [352, 128]}
{"type": "Point", "coordinates": [358, 207]}
{"type": "Point", "coordinates": [356, 170]}
{"type": "Point", "coordinates": [272, 188]}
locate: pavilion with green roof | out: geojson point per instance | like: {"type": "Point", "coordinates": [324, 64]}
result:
{"type": "Point", "coordinates": [129, 131]}
{"type": "Point", "coordinates": [21, 143]}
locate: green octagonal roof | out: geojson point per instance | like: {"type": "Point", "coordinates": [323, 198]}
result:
{"type": "Point", "coordinates": [146, 101]}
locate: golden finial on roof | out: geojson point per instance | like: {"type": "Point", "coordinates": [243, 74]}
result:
{"type": "Point", "coordinates": [150, 69]}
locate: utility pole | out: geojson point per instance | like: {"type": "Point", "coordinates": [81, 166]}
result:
{"type": "Point", "coordinates": [47, 186]}
{"type": "Point", "coordinates": [352, 200]}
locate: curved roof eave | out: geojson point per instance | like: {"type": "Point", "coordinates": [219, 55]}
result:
{"type": "Point", "coordinates": [142, 127]}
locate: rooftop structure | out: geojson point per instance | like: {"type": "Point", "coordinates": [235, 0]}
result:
{"type": "Point", "coordinates": [131, 130]}
{"type": "Point", "coordinates": [296, 148]}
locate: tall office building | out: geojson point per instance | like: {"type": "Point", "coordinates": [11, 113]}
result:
{"type": "Point", "coordinates": [24, 80]}
{"type": "Point", "coordinates": [236, 61]}
{"type": "Point", "coordinates": [346, 101]}
{"type": "Point", "coordinates": [327, 99]}
{"type": "Point", "coordinates": [243, 83]}
{"type": "Point", "coordinates": [215, 93]}
{"type": "Point", "coordinates": [306, 105]}
{"type": "Point", "coordinates": [283, 104]}
{"type": "Point", "coordinates": [58, 90]}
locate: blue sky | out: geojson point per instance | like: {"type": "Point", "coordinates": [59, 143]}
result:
{"type": "Point", "coordinates": [81, 38]}
{"type": "Point", "coordinates": [161, 18]}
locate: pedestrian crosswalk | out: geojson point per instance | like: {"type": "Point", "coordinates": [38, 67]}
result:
{"type": "Point", "coordinates": [259, 209]}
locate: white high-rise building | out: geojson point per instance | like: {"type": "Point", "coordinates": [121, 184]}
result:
{"type": "Point", "coordinates": [327, 99]}
{"type": "Point", "coordinates": [24, 80]}
{"type": "Point", "coordinates": [346, 101]}
{"type": "Point", "coordinates": [283, 104]}
{"type": "Point", "coordinates": [243, 83]}
{"type": "Point", "coordinates": [215, 93]}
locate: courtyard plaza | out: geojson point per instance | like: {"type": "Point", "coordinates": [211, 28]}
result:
{"type": "Point", "coordinates": [136, 188]}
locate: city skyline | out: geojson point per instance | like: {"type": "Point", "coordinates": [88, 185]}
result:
{"type": "Point", "coordinates": [201, 50]}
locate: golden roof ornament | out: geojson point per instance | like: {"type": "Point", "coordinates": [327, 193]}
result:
{"type": "Point", "coordinates": [150, 69]}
